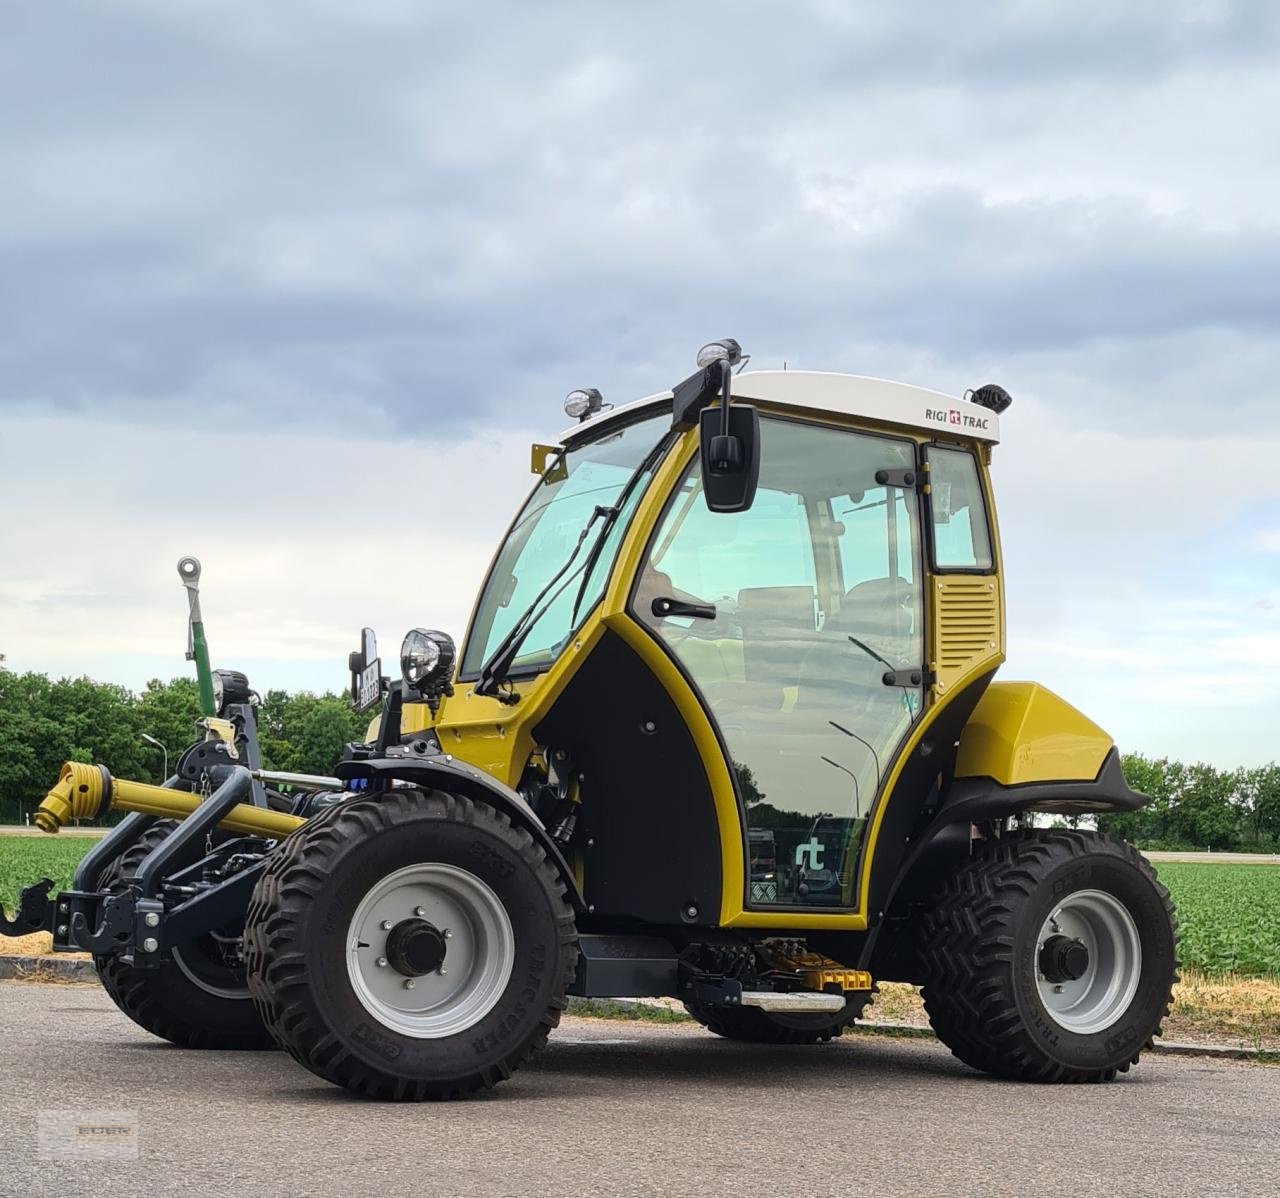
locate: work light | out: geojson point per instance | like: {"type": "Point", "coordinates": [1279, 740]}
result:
{"type": "Point", "coordinates": [726, 349]}
{"type": "Point", "coordinates": [583, 403]}
{"type": "Point", "coordinates": [426, 658]}
{"type": "Point", "coordinates": [229, 686]}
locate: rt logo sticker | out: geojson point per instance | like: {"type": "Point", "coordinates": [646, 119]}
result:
{"type": "Point", "coordinates": [955, 417]}
{"type": "Point", "coordinates": [813, 851]}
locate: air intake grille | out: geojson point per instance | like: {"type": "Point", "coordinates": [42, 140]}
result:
{"type": "Point", "coordinates": [966, 625]}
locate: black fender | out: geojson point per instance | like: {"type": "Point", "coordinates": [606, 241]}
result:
{"type": "Point", "coordinates": [458, 777]}
{"type": "Point", "coordinates": [945, 839]}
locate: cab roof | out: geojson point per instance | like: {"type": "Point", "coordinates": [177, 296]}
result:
{"type": "Point", "coordinates": [830, 394]}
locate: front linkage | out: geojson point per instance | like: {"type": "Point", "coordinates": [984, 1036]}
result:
{"type": "Point", "coordinates": [183, 887]}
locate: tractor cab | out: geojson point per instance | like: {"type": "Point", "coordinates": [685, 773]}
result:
{"type": "Point", "coordinates": [725, 612]}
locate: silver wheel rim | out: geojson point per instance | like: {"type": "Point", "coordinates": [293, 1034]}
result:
{"type": "Point", "coordinates": [239, 991]}
{"type": "Point", "coordinates": [1102, 994]}
{"type": "Point", "coordinates": [479, 956]}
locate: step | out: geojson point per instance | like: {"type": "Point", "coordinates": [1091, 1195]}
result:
{"type": "Point", "coordinates": [791, 1001]}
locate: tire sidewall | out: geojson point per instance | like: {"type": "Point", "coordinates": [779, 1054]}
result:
{"type": "Point", "coordinates": [1113, 874]}
{"type": "Point", "coordinates": [482, 849]}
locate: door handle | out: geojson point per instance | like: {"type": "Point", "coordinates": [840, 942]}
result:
{"type": "Point", "coordinates": [662, 606]}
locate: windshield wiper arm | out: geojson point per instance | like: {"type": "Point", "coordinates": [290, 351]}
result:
{"type": "Point", "coordinates": [867, 649]}
{"type": "Point", "coordinates": [495, 669]}
{"type": "Point", "coordinates": [623, 496]}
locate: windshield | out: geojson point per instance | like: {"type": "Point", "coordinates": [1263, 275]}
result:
{"type": "Point", "coordinates": [543, 537]}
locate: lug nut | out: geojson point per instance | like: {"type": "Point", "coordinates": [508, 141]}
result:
{"type": "Point", "coordinates": [62, 929]}
{"type": "Point", "coordinates": [419, 911]}
{"type": "Point", "coordinates": [443, 970]}
{"type": "Point", "coordinates": [447, 934]}
{"type": "Point", "coordinates": [409, 983]}
{"type": "Point", "coordinates": [150, 944]}
{"type": "Point", "coordinates": [151, 919]}
{"type": "Point", "coordinates": [386, 925]}
{"type": "Point", "coordinates": [381, 962]}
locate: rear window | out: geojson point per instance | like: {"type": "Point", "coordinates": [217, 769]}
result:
{"type": "Point", "coordinates": [957, 511]}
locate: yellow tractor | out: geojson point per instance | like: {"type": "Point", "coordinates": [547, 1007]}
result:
{"type": "Point", "coordinates": [724, 728]}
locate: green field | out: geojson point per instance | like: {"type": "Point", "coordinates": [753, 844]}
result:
{"type": "Point", "coordinates": [1229, 914]}
{"type": "Point", "coordinates": [27, 859]}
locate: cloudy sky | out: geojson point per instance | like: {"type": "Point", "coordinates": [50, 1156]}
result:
{"type": "Point", "coordinates": [292, 286]}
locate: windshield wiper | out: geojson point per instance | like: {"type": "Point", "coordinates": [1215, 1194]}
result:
{"type": "Point", "coordinates": [623, 496]}
{"type": "Point", "coordinates": [495, 669]}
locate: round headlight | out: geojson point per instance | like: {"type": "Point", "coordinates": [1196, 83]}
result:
{"type": "Point", "coordinates": [229, 686]}
{"type": "Point", "coordinates": [583, 403]}
{"type": "Point", "coordinates": [426, 658]}
{"type": "Point", "coordinates": [714, 351]}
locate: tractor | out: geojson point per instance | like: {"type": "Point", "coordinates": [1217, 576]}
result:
{"type": "Point", "coordinates": [724, 729]}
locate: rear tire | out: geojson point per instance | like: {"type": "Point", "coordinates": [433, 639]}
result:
{"type": "Point", "coordinates": [491, 941]}
{"type": "Point", "coordinates": [193, 998]}
{"type": "Point", "coordinates": [999, 997]}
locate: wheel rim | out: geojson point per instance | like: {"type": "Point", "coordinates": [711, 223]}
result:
{"type": "Point", "coordinates": [478, 958]}
{"type": "Point", "coordinates": [1101, 994]}
{"type": "Point", "coordinates": [204, 966]}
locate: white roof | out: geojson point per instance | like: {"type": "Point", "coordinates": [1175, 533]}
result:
{"type": "Point", "coordinates": [841, 394]}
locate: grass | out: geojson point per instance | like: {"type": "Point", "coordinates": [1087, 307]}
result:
{"type": "Point", "coordinates": [27, 859]}
{"type": "Point", "coordinates": [1228, 916]}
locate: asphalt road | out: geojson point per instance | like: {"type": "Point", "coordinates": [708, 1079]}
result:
{"type": "Point", "coordinates": [626, 1108]}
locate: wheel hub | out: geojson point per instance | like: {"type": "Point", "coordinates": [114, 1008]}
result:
{"type": "Point", "coordinates": [1088, 961]}
{"type": "Point", "coordinates": [430, 950]}
{"type": "Point", "coordinates": [1063, 959]}
{"type": "Point", "coordinates": [415, 948]}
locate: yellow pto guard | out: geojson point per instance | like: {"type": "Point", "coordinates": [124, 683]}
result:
{"type": "Point", "coordinates": [87, 791]}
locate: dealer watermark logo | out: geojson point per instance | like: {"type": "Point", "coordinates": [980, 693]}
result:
{"type": "Point", "coordinates": [87, 1135]}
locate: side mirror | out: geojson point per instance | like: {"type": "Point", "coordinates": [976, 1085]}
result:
{"type": "Point", "coordinates": [730, 453]}
{"type": "Point", "coordinates": [366, 672]}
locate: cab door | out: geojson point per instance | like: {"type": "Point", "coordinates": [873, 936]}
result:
{"type": "Point", "coordinates": [799, 624]}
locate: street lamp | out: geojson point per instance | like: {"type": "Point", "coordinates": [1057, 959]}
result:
{"type": "Point", "coordinates": [151, 740]}
{"type": "Point", "coordinates": [857, 799]}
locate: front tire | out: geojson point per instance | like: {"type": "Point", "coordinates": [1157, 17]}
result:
{"type": "Point", "coordinates": [411, 946]}
{"type": "Point", "coordinates": [197, 997]}
{"type": "Point", "coordinates": [1049, 956]}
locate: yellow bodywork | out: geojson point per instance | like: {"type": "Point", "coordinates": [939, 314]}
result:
{"type": "Point", "coordinates": [79, 794]}
{"type": "Point", "coordinates": [965, 638]}
{"type": "Point", "coordinates": [1020, 732]}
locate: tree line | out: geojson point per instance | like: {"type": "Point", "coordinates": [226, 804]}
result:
{"type": "Point", "coordinates": [1200, 807]}
{"type": "Point", "coordinates": [44, 722]}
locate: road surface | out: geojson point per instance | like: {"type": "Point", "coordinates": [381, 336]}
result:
{"type": "Point", "coordinates": [627, 1109]}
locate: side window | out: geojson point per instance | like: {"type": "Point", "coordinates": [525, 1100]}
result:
{"type": "Point", "coordinates": [958, 513]}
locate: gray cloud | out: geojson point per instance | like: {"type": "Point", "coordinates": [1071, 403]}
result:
{"type": "Point", "coordinates": [394, 213]}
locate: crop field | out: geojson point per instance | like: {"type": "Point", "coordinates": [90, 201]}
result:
{"type": "Point", "coordinates": [27, 859]}
{"type": "Point", "coordinates": [1229, 915]}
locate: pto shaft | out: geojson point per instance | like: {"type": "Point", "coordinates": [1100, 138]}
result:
{"type": "Point", "coordinates": [87, 791]}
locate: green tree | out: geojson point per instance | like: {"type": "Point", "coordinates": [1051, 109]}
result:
{"type": "Point", "coordinates": [167, 711]}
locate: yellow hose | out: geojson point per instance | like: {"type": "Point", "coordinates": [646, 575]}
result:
{"type": "Point", "coordinates": [81, 789]}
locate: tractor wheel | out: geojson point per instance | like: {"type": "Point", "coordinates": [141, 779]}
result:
{"type": "Point", "coordinates": [411, 946]}
{"type": "Point", "coordinates": [197, 997]}
{"type": "Point", "coordinates": [1050, 957]}
{"type": "Point", "coordinates": [755, 1026]}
